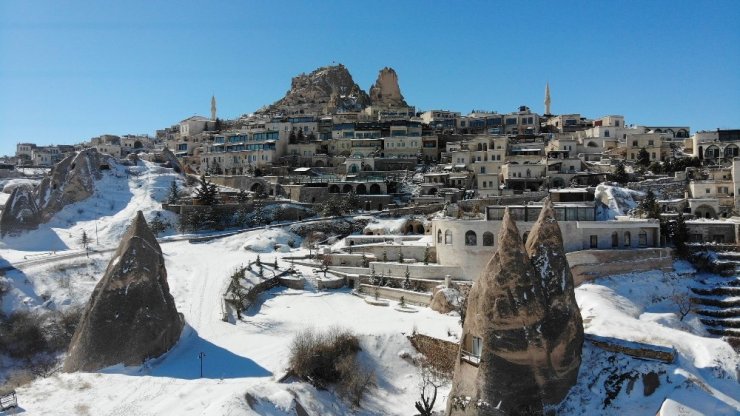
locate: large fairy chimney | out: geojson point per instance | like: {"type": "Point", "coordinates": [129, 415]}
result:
{"type": "Point", "coordinates": [131, 315]}
{"type": "Point", "coordinates": [522, 337]}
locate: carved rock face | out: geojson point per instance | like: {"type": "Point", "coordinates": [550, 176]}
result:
{"type": "Point", "coordinates": [131, 315]}
{"type": "Point", "coordinates": [71, 180]}
{"type": "Point", "coordinates": [386, 92]}
{"type": "Point", "coordinates": [522, 310]}
{"type": "Point", "coordinates": [20, 212]}
{"type": "Point", "coordinates": [327, 89]}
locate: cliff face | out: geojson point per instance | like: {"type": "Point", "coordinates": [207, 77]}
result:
{"type": "Point", "coordinates": [522, 312]}
{"type": "Point", "coordinates": [326, 90]}
{"type": "Point", "coordinates": [71, 180]}
{"type": "Point", "coordinates": [386, 92]}
{"type": "Point", "coordinates": [131, 315]}
{"type": "Point", "coordinates": [20, 212]}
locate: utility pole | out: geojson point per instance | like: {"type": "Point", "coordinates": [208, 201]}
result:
{"type": "Point", "coordinates": [201, 355]}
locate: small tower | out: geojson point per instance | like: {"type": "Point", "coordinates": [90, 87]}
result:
{"type": "Point", "coordinates": [213, 108]}
{"type": "Point", "coordinates": [547, 98]}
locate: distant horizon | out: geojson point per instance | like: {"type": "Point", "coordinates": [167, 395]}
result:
{"type": "Point", "coordinates": [83, 69]}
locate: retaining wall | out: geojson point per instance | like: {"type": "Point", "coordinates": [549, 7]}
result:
{"type": "Point", "coordinates": [587, 265]}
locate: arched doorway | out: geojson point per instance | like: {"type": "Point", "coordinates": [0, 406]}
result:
{"type": "Point", "coordinates": [361, 189]}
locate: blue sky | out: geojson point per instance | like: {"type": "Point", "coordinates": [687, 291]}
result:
{"type": "Point", "coordinates": [71, 70]}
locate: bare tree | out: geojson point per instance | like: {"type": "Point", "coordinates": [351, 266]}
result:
{"type": "Point", "coordinates": [431, 380]}
{"type": "Point", "coordinates": [683, 302]}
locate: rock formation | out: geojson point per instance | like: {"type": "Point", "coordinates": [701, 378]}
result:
{"type": "Point", "coordinates": [131, 315]}
{"type": "Point", "coordinates": [530, 339]}
{"type": "Point", "coordinates": [70, 181]}
{"type": "Point", "coordinates": [20, 213]}
{"type": "Point", "coordinates": [562, 328]}
{"type": "Point", "coordinates": [326, 90]}
{"type": "Point", "coordinates": [171, 160]}
{"type": "Point", "coordinates": [386, 92]}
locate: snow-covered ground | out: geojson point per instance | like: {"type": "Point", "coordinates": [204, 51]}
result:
{"type": "Point", "coordinates": [250, 357]}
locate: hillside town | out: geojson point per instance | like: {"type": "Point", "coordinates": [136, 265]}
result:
{"type": "Point", "coordinates": [489, 262]}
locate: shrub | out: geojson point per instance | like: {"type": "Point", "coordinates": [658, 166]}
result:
{"type": "Point", "coordinates": [356, 379]}
{"type": "Point", "coordinates": [22, 335]}
{"type": "Point", "coordinates": [313, 356]}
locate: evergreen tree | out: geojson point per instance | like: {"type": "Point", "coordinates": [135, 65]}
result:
{"type": "Point", "coordinates": [206, 192]}
{"type": "Point", "coordinates": [427, 254]}
{"type": "Point", "coordinates": [407, 279]}
{"type": "Point", "coordinates": [258, 262]}
{"type": "Point", "coordinates": [275, 264]}
{"type": "Point", "coordinates": [680, 234]}
{"type": "Point", "coordinates": [649, 206]}
{"type": "Point", "coordinates": [174, 193]}
{"type": "Point", "coordinates": [643, 157]}
{"type": "Point", "coordinates": [84, 240]}
{"type": "Point", "coordinates": [385, 256]}
{"type": "Point", "coordinates": [620, 175]}
{"type": "Point", "coordinates": [400, 256]}
{"type": "Point", "coordinates": [242, 197]}
{"type": "Point", "coordinates": [364, 260]}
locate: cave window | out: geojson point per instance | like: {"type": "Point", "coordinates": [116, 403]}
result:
{"type": "Point", "coordinates": [488, 238]}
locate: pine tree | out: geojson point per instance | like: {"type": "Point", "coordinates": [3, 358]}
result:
{"type": "Point", "coordinates": [85, 242]}
{"type": "Point", "coordinates": [364, 260]}
{"type": "Point", "coordinates": [649, 206]}
{"type": "Point", "coordinates": [400, 256]}
{"type": "Point", "coordinates": [206, 192]}
{"type": "Point", "coordinates": [385, 256]}
{"type": "Point", "coordinates": [258, 262]}
{"type": "Point", "coordinates": [426, 255]}
{"type": "Point", "coordinates": [275, 264]}
{"type": "Point", "coordinates": [174, 193]}
{"type": "Point", "coordinates": [373, 276]}
{"type": "Point", "coordinates": [680, 234]}
{"type": "Point", "coordinates": [643, 157]}
{"type": "Point", "coordinates": [620, 174]}
{"type": "Point", "coordinates": [407, 279]}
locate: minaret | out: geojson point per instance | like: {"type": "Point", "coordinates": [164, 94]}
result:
{"type": "Point", "coordinates": [213, 108]}
{"type": "Point", "coordinates": [547, 98]}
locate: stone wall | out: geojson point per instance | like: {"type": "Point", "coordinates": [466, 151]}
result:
{"type": "Point", "coordinates": [587, 265]}
{"type": "Point", "coordinates": [634, 349]}
{"type": "Point", "coordinates": [411, 297]}
{"type": "Point", "coordinates": [441, 354]}
{"type": "Point", "coordinates": [416, 270]}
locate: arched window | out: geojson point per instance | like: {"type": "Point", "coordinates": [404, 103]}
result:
{"type": "Point", "coordinates": [642, 239]}
{"type": "Point", "coordinates": [615, 240]}
{"type": "Point", "coordinates": [480, 146]}
{"type": "Point", "coordinates": [627, 239]}
{"type": "Point", "coordinates": [488, 238]}
{"type": "Point", "coordinates": [448, 237]}
{"type": "Point", "coordinates": [471, 239]}
{"type": "Point", "coordinates": [439, 236]}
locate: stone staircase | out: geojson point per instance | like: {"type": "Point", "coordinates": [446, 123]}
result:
{"type": "Point", "coordinates": [716, 300]}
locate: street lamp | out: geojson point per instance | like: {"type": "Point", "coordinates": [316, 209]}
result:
{"type": "Point", "coordinates": [201, 355]}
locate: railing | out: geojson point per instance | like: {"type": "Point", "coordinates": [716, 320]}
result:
{"type": "Point", "coordinates": [470, 357]}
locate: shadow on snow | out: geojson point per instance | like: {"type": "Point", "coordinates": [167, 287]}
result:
{"type": "Point", "coordinates": [182, 362]}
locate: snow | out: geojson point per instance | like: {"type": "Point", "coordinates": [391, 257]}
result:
{"type": "Point", "coordinates": [245, 361]}
{"type": "Point", "coordinates": [617, 201]}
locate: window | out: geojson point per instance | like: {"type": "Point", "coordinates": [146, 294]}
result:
{"type": "Point", "coordinates": [439, 236]}
{"type": "Point", "coordinates": [471, 239]}
{"type": "Point", "coordinates": [448, 237]}
{"type": "Point", "coordinates": [488, 238]}
{"type": "Point", "coordinates": [627, 239]}
{"type": "Point", "coordinates": [642, 239]}
{"type": "Point", "coordinates": [706, 191]}
{"type": "Point", "coordinates": [594, 241]}
{"type": "Point", "coordinates": [606, 133]}
{"type": "Point", "coordinates": [472, 349]}
{"type": "Point", "coordinates": [634, 143]}
{"type": "Point", "coordinates": [651, 143]}
{"type": "Point", "coordinates": [615, 240]}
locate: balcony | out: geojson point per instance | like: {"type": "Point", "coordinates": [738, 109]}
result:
{"type": "Point", "coordinates": [469, 357]}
